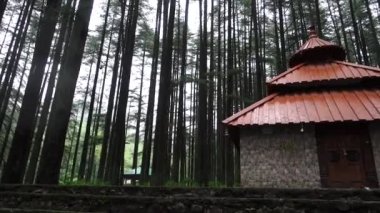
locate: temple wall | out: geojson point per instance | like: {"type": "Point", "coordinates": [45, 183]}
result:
{"type": "Point", "coordinates": [374, 132]}
{"type": "Point", "coordinates": [279, 157]}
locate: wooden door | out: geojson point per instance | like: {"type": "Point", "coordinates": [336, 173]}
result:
{"type": "Point", "coordinates": [345, 156]}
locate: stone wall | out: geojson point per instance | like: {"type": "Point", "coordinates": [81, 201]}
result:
{"type": "Point", "coordinates": [279, 156]}
{"type": "Point", "coordinates": [374, 131]}
{"type": "Point", "coordinates": [50, 198]}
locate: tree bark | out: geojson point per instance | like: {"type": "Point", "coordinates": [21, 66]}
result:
{"type": "Point", "coordinates": [3, 5]}
{"type": "Point", "coordinates": [148, 134]}
{"type": "Point", "coordinates": [18, 154]}
{"type": "Point", "coordinates": [259, 77]}
{"type": "Point", "coordinates": [343, 28]}
{"type": "Point", "coordinates": [179, 154]}
{"type": "Point", "coordinates": [31, 171]}
{"type": "Point", "coordinates": [202, 161]}
{"type": "Point", "coordinates": [318, 17]}
{"type": "Point", "coordinates": [52, 151]}
{"type": "Point", "coordinates": [118, 132]}
{"type": "Point", "coordinates": [229, 106]}
{"type": "Point", "coordinates": [373, 33]}
{"type": "Point", "coordinates": [282, 37]}
{"type": "Point", "coordinates": [83, 161]}
{"type": "Point", "coordinates": [80, 125]}
{"type": "Point", "coordinates": [111, 97]}
{"type": "Point", "coordinates": [161, 162]}
{"type": "Point", "coordinates": [356, 32]}
{"type": "Point", "coordinates": [15, 103]}
{"type": "Point", "coordinates": [138, 117]}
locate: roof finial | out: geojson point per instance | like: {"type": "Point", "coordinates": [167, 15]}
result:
{"type": "Point", "coordinates": [316, 49]}
{"type": "Point", "coordinates": [312, 32]}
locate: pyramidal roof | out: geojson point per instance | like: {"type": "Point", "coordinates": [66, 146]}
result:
{"type": "Point", "coordinates": [316, 61]}
{"type": "Point", "coordinates": [316, 49]}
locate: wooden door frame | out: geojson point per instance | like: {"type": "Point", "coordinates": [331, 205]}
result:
{"type": "Point", "coordinates": [368, 161]}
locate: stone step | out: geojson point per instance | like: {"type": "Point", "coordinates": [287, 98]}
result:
{"type": "Point", "coordinates": [55, 202]}
{"type": "Point", "coordinates": [324, 194]}
{"type": "Point", "coordinates": [18, 210]}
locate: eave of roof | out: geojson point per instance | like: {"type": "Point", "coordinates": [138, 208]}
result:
{"type": "Point", "coordinates": [311, 107]}
{"type": "Point", "coordinates": [249, 108]}
{"type": "Point", "coordinates": [334, 70]}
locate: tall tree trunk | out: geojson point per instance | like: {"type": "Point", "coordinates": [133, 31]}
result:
{"type": "Point", "coordinates": [111, 97]}
{"type": "Point", "coordinates": [363, 44]}
{"type": "Point", "coordinates": [220, 115]}
{"type": "Point", "coordinates": [18, 155]}
{"type": "Point", "coordinates": [336, 28]}
{"type": "Point", "coordinates": [72, 139]}
{"type": "Point", "coordinates": [83, 161]}
{"type": "Point", "coordinates": [73, 168]}
{"type": "Point", "coordinates": [9, 61]}
{"type": "Point", "coordinates": [318, 17]}
{"type": "Point", "coordinates": [282, 36]}
{"type": "Point", "coordinates": [31, 171]}
{"type": "Point", "coordinates": [15, 104]}
{"type": "Point", "coordinates": [54, 142]}
{"type": "Point", "coordinates": [277, 44]}
{"type": "Point", "coordinates": [148, 134]}
{"type": "Point", "coordinates": [7, 29]}
{"type": "Point", "coordinates": [356, 32]}
{"type": "Point", "coordinates": [103, 87]}
{"type": "Point", "coordinates": [118, 132]}
{"type": "Point", "coordinates": [179, 162]}
{"type": "Point", "coordinates": [343, 27]}
{"type": "Point", "coordinates": [302, 20]}
{"type": "Point", "coordinates": [294, 23]}
{"type": "Point", "coordinates": [138, 121]}
{"type": "Point", "coordinates": [161, 162]}
{"type": "Point", "coordinates": [229, 106]}
{"type": "Point", "coordinates": [202, 160]}
{"type": "Point", "coordinates": [211, 90]}
{"type": "Point", "coordinates": [373, 33]}
{"type": "Point", "coordinates": [3, 5]}
{"type": "Point", "coordinates": [259, 77]}
{"type": "Point", "coordinates": [12, 69]}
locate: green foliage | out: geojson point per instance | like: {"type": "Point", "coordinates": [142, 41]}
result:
{"type": "Point", "coordinates": [85, 183]}
{"type": "Point", "coordinates": [216, 184]}
{"type": "Point", "coordinates": [187, 183]}
{"type": "Point", "coordinates": [190, 183]}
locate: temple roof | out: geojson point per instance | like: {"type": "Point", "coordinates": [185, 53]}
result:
{"type": "Point", "coordinates": [316, 49]}
{"type": "Point", "coordinates": [346, 98]}
{"type": "Point", "coordinates": [311, 107]}
{"type": "Point", "coordinates": [317, 72]}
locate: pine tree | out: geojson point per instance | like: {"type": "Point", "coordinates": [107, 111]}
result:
{"type": "Point", "coordinates": [19, 152]}
{"type": "Point", "coordinates": [52, 151]}
{"type": "Point", "coordinates": [161, 161]}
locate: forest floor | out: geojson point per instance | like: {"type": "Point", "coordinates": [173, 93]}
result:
{"type": "Point", "coordinates": [44, 198]}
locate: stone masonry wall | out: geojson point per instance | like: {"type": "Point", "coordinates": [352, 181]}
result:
{"type": "Point", "coordinates": [279, 157]}
{"type": "Point", "coordinates": [65, 198]}
{"type": "Point", "coordinates": [374, 131]}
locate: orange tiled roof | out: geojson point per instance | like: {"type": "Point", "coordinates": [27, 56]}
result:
{"type": "Point", "coordinates": [316, 49]}
{"type": "Point", "coordinates": [311, 107]}
{"type": "Point", "coordinates": [314, 42]}
{"type": "Point", "coordinates": [335, 70]}
{"type": "Point", "coordinates": [316, 61]}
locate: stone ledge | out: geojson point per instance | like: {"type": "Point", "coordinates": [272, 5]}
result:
{"type": "Point", "coordinates": [20, 198]}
